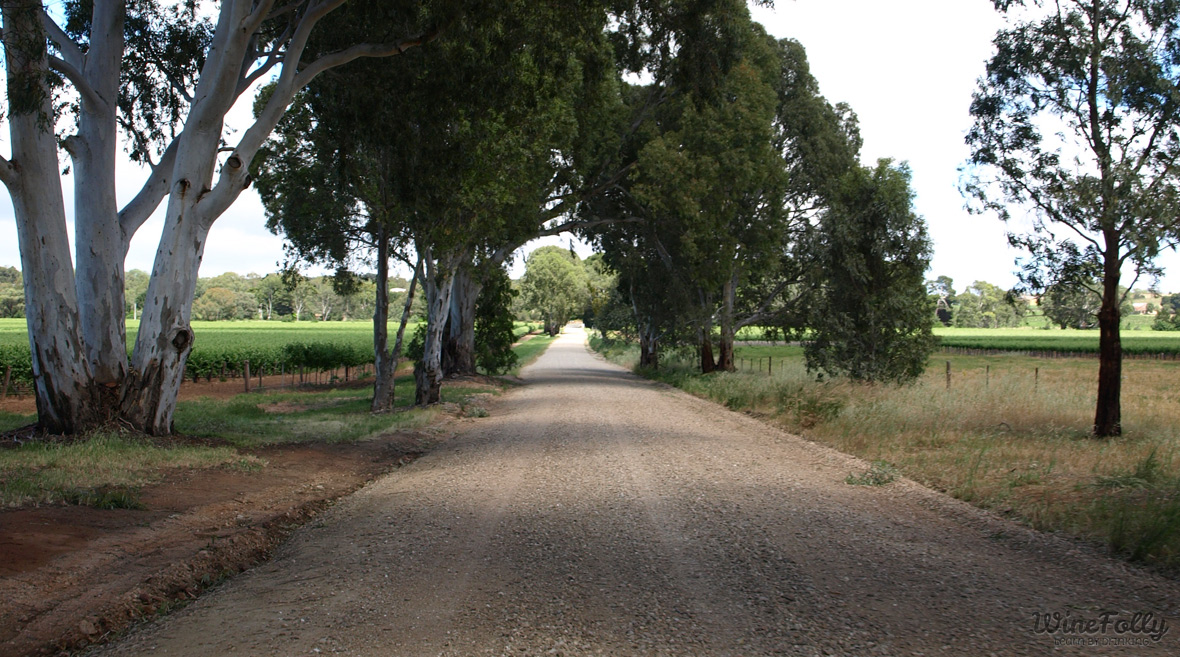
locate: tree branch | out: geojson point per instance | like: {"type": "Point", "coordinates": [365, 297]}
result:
{"type": "Point", "coordinates": [68, 48]}
{"type": "Point", "coordinates": [136, 212]}
{"type": "Point", "coordinates": [358, 51]}
{"type": "Point", "coordinates": [90, 98]}
{"type": "Point", "coordinates": [8, 174]}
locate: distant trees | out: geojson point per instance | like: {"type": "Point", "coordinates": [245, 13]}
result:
{"type": "Point", "coordinates": [1078, 120]}
{"type": "Point", "coordinates": [1072, 305]}
{"type": "Point", "coordinates": [942, 293]}
{"type": "Point", "coordinates": [554, 285]}
{"type": "Point", "coordinates": [983, 305]}
{"type": "Point", "coordinates": [12, 293]}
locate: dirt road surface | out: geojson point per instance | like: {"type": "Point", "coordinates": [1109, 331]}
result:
{"type": "Point", "coordinates": [595, 513]}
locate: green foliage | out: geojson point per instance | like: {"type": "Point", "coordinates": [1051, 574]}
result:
{"type": "Point", "coordinates": [554, 284]}
{"type": "Point", "coordinates": [1168, 318]}
{"type": "Point", "coordinates": [1078, 121]}
{"type": "Point", "coordinates": [871, 318]}
{"type": "Point", "coordinates": [12, 293]}
{"type": "Point", "coordinates": [983, 305]}
{"type": "Point", "coordinates": [495, 330]}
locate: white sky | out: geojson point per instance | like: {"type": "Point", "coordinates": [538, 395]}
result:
{"type": "Point", "coordinates": [907, 67]}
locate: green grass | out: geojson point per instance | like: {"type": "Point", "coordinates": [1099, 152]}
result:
{"type": "Point", "coordinates": [1067, 340]}
{"type": "Point", "coordinates": [530, 350]}
{"type": "Point", "coordinates": [105, 470]}
{"type": "Point", "coordinates": [108, 469]}
{"type": "Point", "coordinates": [1012, 433]}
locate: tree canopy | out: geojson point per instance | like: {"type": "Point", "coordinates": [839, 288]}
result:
{"type": "Point", "coordinates": [1077, 122]}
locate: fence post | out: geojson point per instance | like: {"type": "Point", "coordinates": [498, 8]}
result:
{"type": "Point", "coordinates": [948, 375]}
{"type": "Point", "coordinates": [260, 371]}
{"type": "Point", "coordinates": [1036, 377]}
{"type": "Point", "coordinates": [7, 380]}
{"type": "Point", "coordinates": [769, 365]}
{"type": "Point", "coordinates": [246, 366]}
{"type": "Point", "coordinates": [987, 376]}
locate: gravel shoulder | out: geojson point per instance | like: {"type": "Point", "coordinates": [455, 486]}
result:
{"type": "Point", "coordinates": [594, 512]}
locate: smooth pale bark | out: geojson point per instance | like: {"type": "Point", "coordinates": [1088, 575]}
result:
{"type": "Point", "coordinates": [439, 280]}
{"type": "Point", "coordinates": [102, 244]}
{"type": "Point", "coordinates": [66, 399]}
{"type": "Point", "coordinates": [76, 328]}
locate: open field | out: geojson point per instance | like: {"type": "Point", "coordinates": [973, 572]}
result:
{"type": "Point", "coordinates": [221, 349]}
{"type": "Point", "coordinates": [1059, 340]}
{"type": "Point", "coordinates": [1011, 433]}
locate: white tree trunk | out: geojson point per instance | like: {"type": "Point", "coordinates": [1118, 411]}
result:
{"type": "Point", "coordinates": [65, 397]}
{"type": "Point", "coordinates": [76, 322]}
{"type": "Point", "coordinates": [439, 281]}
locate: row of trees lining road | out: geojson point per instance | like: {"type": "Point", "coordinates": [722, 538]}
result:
{"type": "Point", "coordinates": [161, 78]}
{"type": "Point", "coordinates": [750, 208]}
{"type": "Point", "coordinates": [525, 123]}
{"type": "Point", "coordinates": [1077, 121]}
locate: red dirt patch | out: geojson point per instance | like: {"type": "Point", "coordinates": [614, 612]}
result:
{"type": "Point", "coordinates": [72, 576]}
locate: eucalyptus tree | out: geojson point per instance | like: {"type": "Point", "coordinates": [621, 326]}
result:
{"type": "Point", "coordinates": [869, 316]}
{"type": "Point", "coordinates": [1077, 122]}
{"type": "Point", "coordinates": [554, 285]}
{"type": "Point", "coordinates": [734, 180]}
{"type": "Point", "coordinates": [164, 77]}
{"type": "Point", "coordinates": [451, 158]}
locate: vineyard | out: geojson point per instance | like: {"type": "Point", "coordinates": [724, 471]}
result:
{"type": "Point", "coordinates": [223, 349]}
{"type": "Point", "coordinates": [1057, 342]}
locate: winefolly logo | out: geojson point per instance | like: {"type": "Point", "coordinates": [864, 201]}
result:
{"type": "Point", "coordinates": [1106, 628]}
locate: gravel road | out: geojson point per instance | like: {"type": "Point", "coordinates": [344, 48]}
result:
{"type": "Point", "coordinates": [595, 513]}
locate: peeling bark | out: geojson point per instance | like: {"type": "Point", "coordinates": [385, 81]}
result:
{"type": "Point", "coordinates": [438, 283]}
{"type": "Point", "coordinates": [459, 346]}
{"type": "Point", "coordinates": [66, 399]}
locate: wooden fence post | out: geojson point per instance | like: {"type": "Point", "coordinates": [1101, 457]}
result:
{"type": "Point", "coordinates": [246, 370]}
{"type": "Point", "coordinates": [7, 380]}
{"type": "Point", "coordinates": [769, 365]}
{"type": "Point", "coordinates": [1036, 378]}
{"type": "Point", "coordinates": [948, 375]}
{"type": "Point", "coordinates": [987, 373]}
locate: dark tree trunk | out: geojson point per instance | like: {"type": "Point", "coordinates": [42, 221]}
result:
{"type": "Point", "coordinates": [385, 361]}
{"type": "Point", "coordinates": [725, 346]}
{"type": "Point", "coordinates": [708, 364]}
{"type": "Point", "coordinates": [649, 348]}
{"type": "Point", "coordinates": [459, 346]}
{"type": "Point", "coordinates": [1108, 414]}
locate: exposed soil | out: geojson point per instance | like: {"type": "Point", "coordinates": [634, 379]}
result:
{"type": "Point", "coordinates": [75, 575]}
{"type": "Point", "coordinates": [215, 389]}
{"type": "Point", "coordinates": [595, 513]}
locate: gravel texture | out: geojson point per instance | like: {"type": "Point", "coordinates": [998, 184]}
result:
{"type": "Point", "coordinates": [595, 513]}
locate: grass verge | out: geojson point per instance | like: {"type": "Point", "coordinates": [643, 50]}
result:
{"type": "Point", "coordinates": [1010, 433]}
{"type": "Point", "coordinates": [530, 350]}
{"type": "Point", "coordinates": [105, 470]}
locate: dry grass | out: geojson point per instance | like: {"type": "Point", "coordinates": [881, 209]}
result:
{"type": "Point", "coordinates": [1011, 433]}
